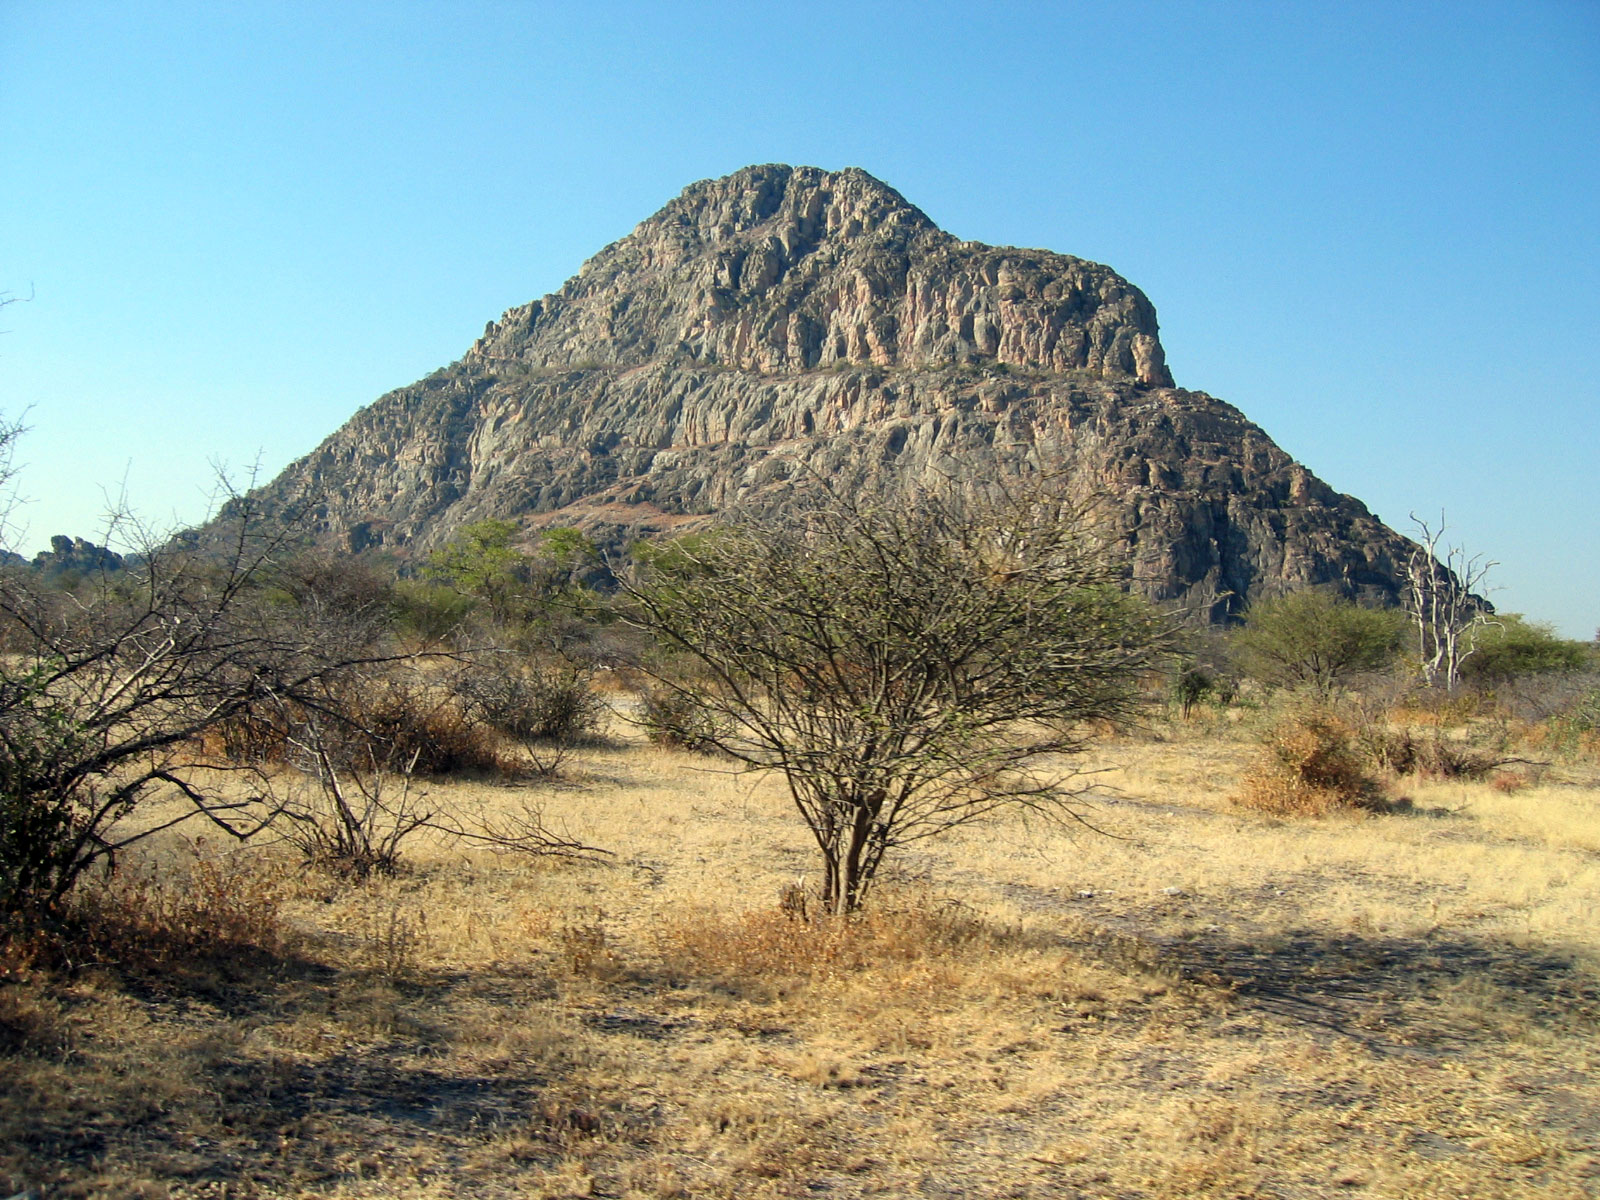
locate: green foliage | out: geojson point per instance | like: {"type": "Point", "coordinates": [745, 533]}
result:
{"type": "Point", "coordinates": [41, 810]}
{"type": "Point", "coordinates": [1510, 647]}
{"type": "Point", "coordinates": [545, 587]}
{"type": "Point", "coordinates": [1315, 640]}
{"type": "Point", "coordinates": [428, 613]}
{"type": "Point", "coordinates": [1197, 683]}
{"type": "Point", "coordinates": [682, 557]}
{"type": "Point", "coordinates": [481, 562]}
{"type": "Point", "coordinates": [567, 549]}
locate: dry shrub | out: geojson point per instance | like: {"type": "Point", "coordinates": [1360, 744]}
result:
{"type": "Point", "coordinates": [672, 717]}
{"type": "Point", "coordinates": [533, 702]}
{"type": "Point", "coordinates": [1433, 755]}
{"type": "Point", "coordinates": [387, 719]}
{"type": "Point", "coordinates": [1310, 766]}
{"type": "Point", "coordinates": [1574, 732]}
{"type": "Point", "coordinates": [586, 948]}
{"type": "Point", "coordinates": [352, 823]}
{"type": "Point", "coordinates": [223, 910]}
{"type": "Point", "coordinates": [1508, 782]}
{"type": "Point", "coordinates": [547, 708]}
{"type": "Point", "coordinates": [400, 721]}
{"type": "Point", "coordinates": [32, 1022]}
{"type": "Point", "coordinates": [249, 737]}
{"type": "Point", "coordinates": [781, 943]}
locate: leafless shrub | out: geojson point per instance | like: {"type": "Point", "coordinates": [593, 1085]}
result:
{"type": "Point", "coordinates": [355, 820]}
{"type": "Point", "coordinates": [1431, 753]}
{"type": "Point", "coordinates": [546, 708]}
{"type": "Point", "coordinates": [679, 718]}
{"type": "Point", "coordinates": [107, 695]}
{"type": "Point", "coordinates": [351, 821]}
{"type": "Point", "coordinates": [1508, 783]}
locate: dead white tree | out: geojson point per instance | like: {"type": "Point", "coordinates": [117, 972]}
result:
{"type": "Point", "coordinates": [1441, 585]}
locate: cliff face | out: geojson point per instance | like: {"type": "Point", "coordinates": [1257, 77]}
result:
{"type": "Point", "coordinates": [779, 269]}
{"type": "Point", "coordinates": [784, 321]}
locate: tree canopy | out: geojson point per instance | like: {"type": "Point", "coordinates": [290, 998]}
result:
{"type": "Point", "coordinates": [1314, 639]}
{"type": "Point", "coordinates": [907, 666]}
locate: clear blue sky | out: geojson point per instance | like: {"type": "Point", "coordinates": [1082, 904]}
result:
{"type": "Point", "coordinates": [1375, 228]}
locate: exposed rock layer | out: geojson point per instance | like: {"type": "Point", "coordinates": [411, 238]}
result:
{"type": "Point", "coordinates": [788, 320]}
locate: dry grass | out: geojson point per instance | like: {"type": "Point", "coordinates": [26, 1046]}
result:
{"type": "Point", "coordinates": [1199, 1001]}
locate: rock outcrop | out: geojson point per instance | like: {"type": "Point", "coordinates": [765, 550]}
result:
{"type": "Point", "coordinates": [784, 322]}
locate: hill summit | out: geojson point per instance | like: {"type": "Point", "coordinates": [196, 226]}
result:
{"type": "Point", "coordinates": [785, 321]}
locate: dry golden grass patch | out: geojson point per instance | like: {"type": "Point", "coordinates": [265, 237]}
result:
{"type": "Point", "coordinates": [1193, 1001]}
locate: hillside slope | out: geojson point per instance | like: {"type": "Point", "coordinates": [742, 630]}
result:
{"type": "Point", "coordinates": [786, 321]}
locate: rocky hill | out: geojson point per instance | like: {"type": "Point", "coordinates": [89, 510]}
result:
{"type": "Point", "coordinates": [788, 320]}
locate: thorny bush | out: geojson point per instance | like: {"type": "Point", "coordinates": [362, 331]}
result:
{"type": "Point", "coordinates": [106, 697]}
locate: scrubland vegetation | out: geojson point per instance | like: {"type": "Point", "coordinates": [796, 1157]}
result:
{"type": "Point", "coordinates": [513, 918]}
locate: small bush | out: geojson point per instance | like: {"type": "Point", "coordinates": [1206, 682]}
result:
{"type": "Point", "coordinates": [1311, 766]}
{"type": "Point", "coordinates": [1428, 756]}
{"type": "Point", "coordinates": [678, 718]}
{"type": "Point", "coordinates": [532, 703]}
{"type": "Point", "coordinates": [1391, 750]}
{"type": "Point", "coordinates": [351, 822]}
{"type": "Point", "coordinates": [389, 719]}
{"type": "Point", "coordinates": [1574, 732]}
{"type": "Point", "coordinates": [250, 737]}
{"type": "Point", "coordinates": [1510, 647]}
{"type": "Point", "coordinates": [404, 722]}
{"type": "Point", "coordinates": [1508, 782]}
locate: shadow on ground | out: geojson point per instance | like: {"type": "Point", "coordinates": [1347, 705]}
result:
{"type": "Point", "coordinates": [1439, 992]}
{"type": "Point", "coordinates": [266, 1078]}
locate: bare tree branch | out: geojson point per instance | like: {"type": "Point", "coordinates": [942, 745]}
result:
{"type": "Point", "coordinates": [907, 666]}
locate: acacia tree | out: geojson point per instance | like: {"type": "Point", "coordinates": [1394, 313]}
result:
{"type": "Point", "coordinates": [1314, 639]}
{"type": "Point", "coordinates": [908, 666]}
{"type": "Point", "coordinates": [1445, 613]}
{"type": "Point", "coordinates": [482, 562]}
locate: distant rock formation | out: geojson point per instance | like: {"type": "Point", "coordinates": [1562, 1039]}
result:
{"type": "Point", "coordinates": [786, 321]}
{"type": "Point", "coordinates": [76, 555]}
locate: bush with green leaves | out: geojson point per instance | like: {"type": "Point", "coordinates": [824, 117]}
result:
{"type": "Point", "coordinates": [1315, 640]}
{"type": "Point", "coordinates": [1509, 647]}
{"type": "Point", "coordinates": [486, 563]}
{"type": "Point", "coordinates": [41, 741]}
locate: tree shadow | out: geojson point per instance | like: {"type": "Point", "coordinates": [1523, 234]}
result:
{"type": "Point", "coordinates": [1440, 992]}
{"type": "Point", "coordinates": [271, 1073]}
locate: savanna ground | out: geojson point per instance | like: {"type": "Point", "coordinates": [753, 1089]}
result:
{"type": "Point", "coordinates": [1188, 1000]}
